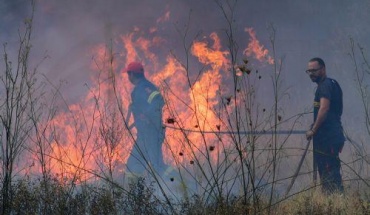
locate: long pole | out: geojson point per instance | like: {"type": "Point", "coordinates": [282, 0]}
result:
{"type": "Point", "coordinates": [262, 132]}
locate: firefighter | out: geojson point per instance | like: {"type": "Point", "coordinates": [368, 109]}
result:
{"type": "Point", "coordinates": [146, 107]}
{"type": "Point", "coordinates": [326, 131]}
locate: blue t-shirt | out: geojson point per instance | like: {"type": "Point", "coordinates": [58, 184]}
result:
{"type": "Point", "coordinates": [331, 129]}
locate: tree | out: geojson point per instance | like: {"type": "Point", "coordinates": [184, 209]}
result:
{"type": "Point", "coordinates": [18, 81]}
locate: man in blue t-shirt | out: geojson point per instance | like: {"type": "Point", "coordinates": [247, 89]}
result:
{"type": "Point", "coordinates": [326, 131]}
{"type": "Point", "coordinates": [146, 107]}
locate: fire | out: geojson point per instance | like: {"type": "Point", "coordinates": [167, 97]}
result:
{"type": "Point", "coordinates": [256, 49]}
{"type": "Point", "coordinates": [129, 46]}
{"type": "Point", "coordinates": [91, 136]}
{"type": "Point", "coordinates": [213, 56]}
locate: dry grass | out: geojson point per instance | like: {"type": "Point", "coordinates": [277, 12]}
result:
{"type": "Point", "coordinates": [314, 202]}
{"type": "Point", "coordinates": [31, 197]}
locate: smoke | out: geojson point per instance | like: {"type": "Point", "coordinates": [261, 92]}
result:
{"type": "Point", "coordinates": [12, 13]}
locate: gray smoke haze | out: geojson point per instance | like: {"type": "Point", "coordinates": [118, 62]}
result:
{"type": "Point", "coordinates": [67, 30]}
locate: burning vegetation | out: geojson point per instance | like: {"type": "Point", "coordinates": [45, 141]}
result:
{"type": "Point", "coordinates": [89, 135]}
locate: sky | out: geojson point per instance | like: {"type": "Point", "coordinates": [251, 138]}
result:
{"type": "Point", "coordinates": [66, 31]}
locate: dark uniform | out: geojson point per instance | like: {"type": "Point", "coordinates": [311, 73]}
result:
{"type": "Point", "coordinates": [329, 139]}
{"type": "Point", "coordinates": [146, 106]}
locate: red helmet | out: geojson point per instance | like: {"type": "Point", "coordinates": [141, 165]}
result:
{"type": "Point", "coordinates": [135, 67]}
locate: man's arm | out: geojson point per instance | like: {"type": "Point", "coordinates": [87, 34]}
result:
{"type": "Point", "coordinates": [127, 119]}
{"type": "Point", "coordinates": [321, 116]}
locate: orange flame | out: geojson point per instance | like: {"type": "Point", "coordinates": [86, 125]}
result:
{"type": "Point", "coordinates": [256, 49]}
{"type": "Point", "coordinates": [92, 137]}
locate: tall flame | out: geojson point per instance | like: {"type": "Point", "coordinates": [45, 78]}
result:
{"type": "Point", "coordinates": [256, 49]}
{"type": "Point", "coordinates": [91, 136]}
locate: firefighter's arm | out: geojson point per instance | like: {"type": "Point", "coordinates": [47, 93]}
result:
{"type": "Point", "coordinates": [321, 116]}
{"type": "Point", "coordinates": [128, 116]}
